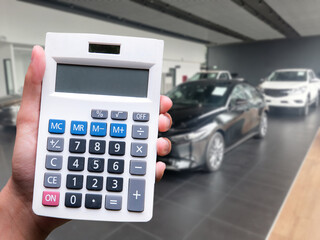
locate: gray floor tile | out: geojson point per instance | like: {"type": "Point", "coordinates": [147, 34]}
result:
{"type": "Point", "coordinates": [128, 232]}
{"type": "Point", "coordinates": [196, 198]}
{"type": "Point", "coordinates": [246, 215]}
{"type": "Point", "coordinates": [213, 230]}
{"type": "Point", "coordinates": [261, 194]}
{"type": "Point", "coordinates": [170, 221]}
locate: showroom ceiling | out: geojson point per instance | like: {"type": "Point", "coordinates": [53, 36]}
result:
{"type": "Point", "coordinates": [205, 21]}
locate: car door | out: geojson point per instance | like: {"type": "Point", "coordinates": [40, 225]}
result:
{"type": "Point", "coordinates": [238, 114]}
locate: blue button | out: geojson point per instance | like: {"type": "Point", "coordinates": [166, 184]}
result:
{"type": "Point", "coordinates": [56, 126]}
{"type": "Point", "coordinates": [118, 130]}
{"type": "Point", "coordinates": [78, 128]}
{"type": "Point", "coordinates": [98, 129]}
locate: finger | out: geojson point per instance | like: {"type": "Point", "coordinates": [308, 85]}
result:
{"type": "Point", "coordinates": [165, 122]}
{"type": "Point", "coordinates": [163, 146]}
{"type": "Point", "coordinates": [30, 104]}
{"type": "Point", "coordinates": [165, 104]}
{"type": "Point", "coordinates": [160, 170]}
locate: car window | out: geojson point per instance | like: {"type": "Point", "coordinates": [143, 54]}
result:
{"type": "Point", "coordinates": [238, 93]}
{"type": "Point", "coordinates": [289, 76]}
{"type": "Point", "coordinates": [224, 76]}
{"type": "Point", "coordinates": [254, 95]}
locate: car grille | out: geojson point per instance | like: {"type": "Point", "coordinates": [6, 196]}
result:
{"type": "Point", "coordinates": [276, 92]}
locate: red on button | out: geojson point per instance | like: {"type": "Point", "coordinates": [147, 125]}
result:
{"type": "Point", "coordinates": [50, 198]}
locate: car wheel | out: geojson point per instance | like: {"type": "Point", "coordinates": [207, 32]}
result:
{"type": "Point", "coordinates": [215, 152]}
{"type": "Point", "coordinates": [263, 126]}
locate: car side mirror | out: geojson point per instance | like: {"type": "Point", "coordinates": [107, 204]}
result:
{"type": "Point", "coordinates": [239, 104]}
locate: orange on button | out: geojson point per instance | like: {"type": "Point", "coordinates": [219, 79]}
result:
{"type": "Point", "coordinates": [50, 199]}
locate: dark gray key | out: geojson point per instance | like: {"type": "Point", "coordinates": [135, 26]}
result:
{"type": "Point", "coordinates": [73, 200]}
{"type": "Point", "coordinates": [93, 201]}
{"type": "Point", "coordinates": [74, 181]}
{"type": "Point", "coordinates": [94, 183]}
{"type": "Point", "coordinates": [114, 184]}
{"type": "Point", "coordinates": [139, 149]}
{"type": "Point", "coordinates": [119, 115]}
{"type": "Point", "coordinates": [138, 167]}
{"type": "Point", "coordinates": [97, 146]}
{"type": "Point", "coordinates": [95, 164]}
{"type": "Point", "coordinates": [113, 202]}
{"type": "Point", "coordinates": [52, 180]}
{"type": "Point", "coordinates": [117, 148]}
{"type": "Point", "coordinates": [53, 162]}
{"type": "Point", "coordinates": [55, 144]}
{"type": "Point", "coordinates": [141, 117]}
{"type": "Point", "coordinates": [136, 195]}
{"type": "Point", "coordinates": [75, 163]}
{"type": "Point", "coordinates": [115, 166]}
{"type": "Point", "coordinates": [77, 145]}
{"type": "Point", "coordinates": [140, 132]}
{"type": "Point", "coordinates": [99, 114]}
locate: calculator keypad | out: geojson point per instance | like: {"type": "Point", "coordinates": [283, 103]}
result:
{"type": "Point", "coordinates": [96, 161]}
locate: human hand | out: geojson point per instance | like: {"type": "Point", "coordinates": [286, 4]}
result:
{"type": "Point", "coordinates": [17, 221]}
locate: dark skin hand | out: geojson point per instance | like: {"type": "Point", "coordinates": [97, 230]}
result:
{"type": "Point", "coordinates": [17, 221]}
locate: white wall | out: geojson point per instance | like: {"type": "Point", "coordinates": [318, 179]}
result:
{"type": "Point", "coordinates": [26, 23]}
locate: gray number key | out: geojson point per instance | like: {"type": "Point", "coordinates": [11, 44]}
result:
{"type": "Point", "coordinates": [136, 195]}
{"type": "Point", "coordinates": [55, 144]}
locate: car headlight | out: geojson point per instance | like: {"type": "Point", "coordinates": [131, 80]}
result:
{"type": "Point", "coordinates": [300, 90]}
{"type": "Point", "coordinates": [199, 134]}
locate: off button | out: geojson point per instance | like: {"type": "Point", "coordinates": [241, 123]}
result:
{"type": "Point", "coordinates": [141, 117]}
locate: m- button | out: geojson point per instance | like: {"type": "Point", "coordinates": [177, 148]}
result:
{"type": "Point", "coordinates": [141, 117]}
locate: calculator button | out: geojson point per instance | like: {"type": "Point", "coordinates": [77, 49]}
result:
{"type": "Point", "coordinates": [136, 195]}
{"type": "Point", "coordinates": [118, 130]}
{"type": "Point", "coordinates": [75, 163]}
{"type": "Point", "coordinates": [113, 202]}
{"type": "Point", "coordinates": [55, 144]}
{"type": "Point", "coordinates": [95, 164]}
{"type": "Point", "coordinates": [77, 145]}
{"type": "Point", "coordinates": [73, 200]}
{"type": "Point", "coordinates": [138, 167]}
{"type": "Point", "coordinates": [57, 126]}
{"type": "Point", "coordinates": [94, 183]}
{"type": "Point", "coordinates": [52, 180]}
{"type": "Point", "coordinates": [140, 132]}
{"type": "Point", "coordinates": [93, 201]}
{"type": "Point", "coordinates": [98, 129]}
{"type": "Point", "coordinates": [140, 117]}
{"type": "Point", "coordinates": [99, 114]}
{"type": "Point", "coordinates": [74, 181]}
{"type": "Point", "coordinates": [119, 115]}
{"type": "Point", "coordinates": [78, 128]}
{"type": "Point", "coordinates": [53, 162]}
{"type": "Point", "coordinates": [115, 166]}
{"type": "Point", "coordinates": [97, 146]}
{"type": "Point", "coordinates": [114, 184]}
{"type": "Point", "coordinates": [117, 148]}
{"type": "Point", "coordinates": [50, 198]}
{"type": "Point", "coordinates": [139, 149]}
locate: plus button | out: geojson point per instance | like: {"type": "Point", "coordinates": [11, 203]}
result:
{"type": "Point", "coordinates": [137, 194]}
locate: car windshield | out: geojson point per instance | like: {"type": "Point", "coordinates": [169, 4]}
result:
{"type": "Point", "coordinates": [288, 76]}
{"type": "Point", "coordinates": [203, 75]}
{"type": "Point", "coordinates": [200, 94]}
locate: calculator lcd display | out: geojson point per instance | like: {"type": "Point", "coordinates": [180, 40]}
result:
{"type": "Point", "coordinates": [102, 80]}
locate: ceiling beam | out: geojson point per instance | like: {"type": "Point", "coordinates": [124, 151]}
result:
{"type": "Point", "coordinates": [173, 11]}
{"type": "Point", "coordinates": [112, 18]}
{"type": "Point", "coordinates": [263, 11]}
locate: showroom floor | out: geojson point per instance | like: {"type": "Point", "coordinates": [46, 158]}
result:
{"type": "Point", "coordinates": [240, 201]}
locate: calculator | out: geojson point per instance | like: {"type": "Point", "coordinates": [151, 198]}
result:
{"type": "Point", "coordinates": [98, 127]}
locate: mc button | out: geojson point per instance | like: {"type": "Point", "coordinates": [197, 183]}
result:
{"type": "Point", "coordinates": [57, 126]}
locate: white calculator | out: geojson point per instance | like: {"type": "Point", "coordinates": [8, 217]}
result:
{"type": "Point", "coordinates": [96, 152]}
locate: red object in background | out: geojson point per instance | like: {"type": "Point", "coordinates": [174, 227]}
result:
{"type": "Point", "coordinates": [184, 78]}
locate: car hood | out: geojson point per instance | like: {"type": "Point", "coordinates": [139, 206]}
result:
{"type": "Point", "coordinates": [186, 117]}
{"type": "Point", "coordinates": [282, 85]}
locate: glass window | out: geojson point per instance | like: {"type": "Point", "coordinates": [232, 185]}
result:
{"type": "Point", "coordinates": [288, 76]}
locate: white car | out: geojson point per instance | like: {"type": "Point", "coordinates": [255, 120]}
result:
{"type": "Point", "coordinates": [292, 88]}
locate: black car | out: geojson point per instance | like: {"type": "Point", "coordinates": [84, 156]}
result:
{"type": "Point", "coordinates": [210, 118]}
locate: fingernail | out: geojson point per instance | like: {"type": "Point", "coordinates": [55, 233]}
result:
{"type": "Point", "coordinates": [167, 121]}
